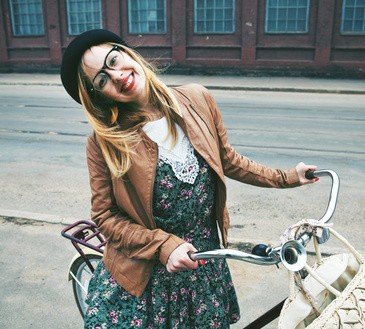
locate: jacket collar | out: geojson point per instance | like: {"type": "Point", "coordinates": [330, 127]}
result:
{"type": "Point", "coordinates": [195, 128]}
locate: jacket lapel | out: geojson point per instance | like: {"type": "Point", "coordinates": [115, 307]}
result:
{"type": "Point", "coordinates": [199, 131]}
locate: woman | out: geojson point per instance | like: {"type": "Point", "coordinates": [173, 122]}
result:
{"type": "Point", "coordinates": [157, 160]}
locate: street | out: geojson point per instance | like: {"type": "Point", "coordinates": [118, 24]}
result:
{"type": "Point", "coordinates": [281, 129]}
{"type": "Point", "coordinates": [43, 170]}
{"type": "Point", "coordinates": [35, 292]}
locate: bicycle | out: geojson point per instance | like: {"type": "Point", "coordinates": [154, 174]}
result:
{"type": "Point", "coordinates": [89, 243]}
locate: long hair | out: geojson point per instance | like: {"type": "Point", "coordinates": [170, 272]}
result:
{"type": "Point", "coordinates": [118, 140]}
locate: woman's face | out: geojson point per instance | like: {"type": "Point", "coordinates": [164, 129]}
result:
{"type": "Point", "coordinates": [115, 74]}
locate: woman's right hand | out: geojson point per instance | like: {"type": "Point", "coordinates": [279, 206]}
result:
{"type": "Point", "coordinates": [179, 259]}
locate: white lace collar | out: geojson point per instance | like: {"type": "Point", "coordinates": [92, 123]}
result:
{"type": "Point", "coordinates": [181, 157]}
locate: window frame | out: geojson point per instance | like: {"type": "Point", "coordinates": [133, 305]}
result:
{"type": "Point", "coordinates": [68, 20]}
{"type": "Point", "coordinates": [306, 30]}
{"type": "Point", "coordinates": [233, 31]}
{"type": "Point", "coordinates": [149, 32]}
{"type": "Point", "coordinates": [342, 32]}
{"type": "Point", "coordinates": [12, 22]}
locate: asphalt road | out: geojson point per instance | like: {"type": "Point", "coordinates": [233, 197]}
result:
{"type": "Point", "coordinates": [281, 129]}
{"type": "Point", "coordinates": [35, 292]}
{"type": "Point", "coordinates": [43, 170]}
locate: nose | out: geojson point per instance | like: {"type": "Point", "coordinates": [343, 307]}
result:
{"type": "Point", "coordinates": [116, 75]}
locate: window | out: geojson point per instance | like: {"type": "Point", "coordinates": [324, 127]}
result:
{"type": "Point", "coordinates": [214, 16]}
{"type": "Point", "coordinates": [287, 16]}
{"type": "Point", "coordinates": [147, 16]}
{"type": "Point", "coordinates": [353, 17]}
{"type": "Point", "coordinates": [27, 17]}
{"type": "Point", "coordinates": [83, 15]}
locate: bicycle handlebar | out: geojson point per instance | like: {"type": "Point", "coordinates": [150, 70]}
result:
{"type": "Point", "coordinates": [234, 254]}
{"type": "Point", "coordinates": [304, 239]}
{"type": "Point", "coordinates": [273, 257]}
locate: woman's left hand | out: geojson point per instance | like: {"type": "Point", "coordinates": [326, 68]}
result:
{"type": "Point", "coordinates": [302, 168]}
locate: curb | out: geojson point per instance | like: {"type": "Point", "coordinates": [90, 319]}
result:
{"type": "Point", "coordinates": [229, 88]}
{"type": "Point", "coordinates": [30, 218]}
{"type": "Point", "coordinates": [23, 216]}
{"type": "Point", "coordinates": [285, 89]}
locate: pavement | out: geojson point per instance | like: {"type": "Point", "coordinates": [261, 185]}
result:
{"type": "Point", "coordinates": [214, 82]}
{"type": "Point", "coordinates": [221, 82]}
{"type": "Point", "coordinates": [248, 280]}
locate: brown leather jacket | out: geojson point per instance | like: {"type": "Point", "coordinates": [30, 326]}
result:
{"type": "Point", "coordinates": [122, 208]}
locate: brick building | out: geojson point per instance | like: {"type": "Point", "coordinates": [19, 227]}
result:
{"type": "Point", "coordinates": [326, 36]}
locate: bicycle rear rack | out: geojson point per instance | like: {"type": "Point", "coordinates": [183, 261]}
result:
{"type": "Point", "coordinates": [85, 233]}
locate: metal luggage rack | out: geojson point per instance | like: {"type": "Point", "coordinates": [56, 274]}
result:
{"type": "Point", "coordinates": [85, 233]}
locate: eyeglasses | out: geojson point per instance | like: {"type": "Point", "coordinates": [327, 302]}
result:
{"type": "Point", "coordinates": [114, 60]}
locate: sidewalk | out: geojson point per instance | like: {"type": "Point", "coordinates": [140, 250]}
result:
{"type": "Point", "coordinates": [282, 84]}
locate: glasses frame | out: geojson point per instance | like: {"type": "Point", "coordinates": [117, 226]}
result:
{"type": "Point", "coordinates": [104, 67]}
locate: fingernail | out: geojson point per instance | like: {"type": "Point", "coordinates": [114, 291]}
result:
{"type": "Point", "coordinates": [202, 262]}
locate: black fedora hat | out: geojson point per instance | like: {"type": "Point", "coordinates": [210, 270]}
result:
{"type": "Point", "coordinates": [73, 54]}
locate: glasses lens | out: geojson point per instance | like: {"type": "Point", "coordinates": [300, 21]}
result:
{"type": "Point", "coordinates": [114, 60]}
{"type": "Point", "coordinates": [100, 81]}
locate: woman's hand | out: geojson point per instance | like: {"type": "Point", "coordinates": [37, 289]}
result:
{"type": "Point", "coordinates": [179, 259]}
{"type": "Point", "coordinates": [301, 170]}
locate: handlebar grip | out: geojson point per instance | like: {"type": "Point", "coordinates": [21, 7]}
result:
{"type": "Point", "coordinates": [192, 255]}
{"type": "Point", "coordinates": [260, 250]}
{"type": "Point", "coordinates": [310, 174]}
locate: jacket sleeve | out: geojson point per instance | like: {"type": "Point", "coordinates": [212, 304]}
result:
{"type": "Point", "coordinates": [121, 231]}
{"type": "Point", "coordinates": [243, 169]}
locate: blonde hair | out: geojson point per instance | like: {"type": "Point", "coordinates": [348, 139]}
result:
{"type": "Point", "coordinates": [118, 145]}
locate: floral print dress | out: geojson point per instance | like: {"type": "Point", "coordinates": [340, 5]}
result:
{"type": "Point", "coordinates": [201, 298]}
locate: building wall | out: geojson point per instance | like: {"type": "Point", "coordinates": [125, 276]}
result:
{"type": "Point", "coordinates": [322, 49]}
